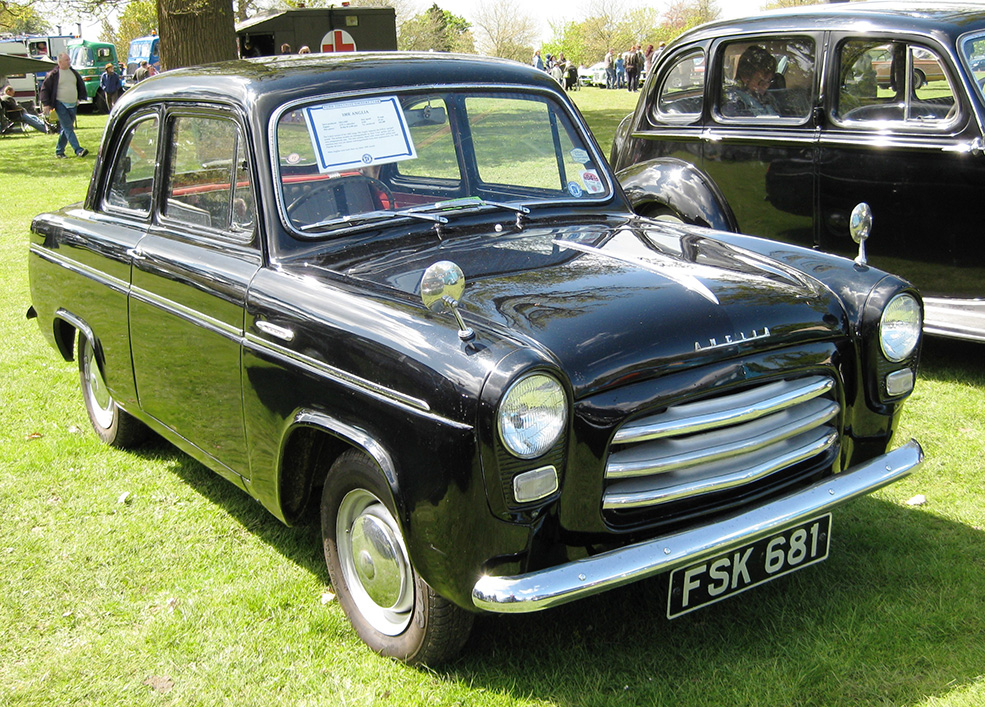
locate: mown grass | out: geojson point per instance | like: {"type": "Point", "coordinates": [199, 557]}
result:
{"type": "Point", "coordinates": [144, 579]}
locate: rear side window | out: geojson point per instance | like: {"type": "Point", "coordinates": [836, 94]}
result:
{"type": "Point", "coordinates": [132, 182]}
{"type": "Point", "coordinates": [769, 80]}
{"type": "Point", "coordinates": [680, 95]}
{"type": "Point", "coordinates": [893, 84]}
{"type": "Point", "coordinates": [208, 180]}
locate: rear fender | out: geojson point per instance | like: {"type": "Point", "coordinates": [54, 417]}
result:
{"type": "Point", "coordinates": [679, 188]}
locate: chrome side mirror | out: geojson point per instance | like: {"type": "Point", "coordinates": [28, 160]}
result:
{"type": "Point", "coordinates": [859, 225]}
{"type": "Point", "coordinates": [442, 286]}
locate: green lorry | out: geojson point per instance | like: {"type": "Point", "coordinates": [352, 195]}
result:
{"type": "Point", "coordinates": [90, 60]}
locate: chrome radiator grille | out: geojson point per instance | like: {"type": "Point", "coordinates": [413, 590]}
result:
{"type": "Point", "coordinates": [720, 444]}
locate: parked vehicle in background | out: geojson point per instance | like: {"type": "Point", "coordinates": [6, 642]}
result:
{"type": "Point", "coordinates": [322, 29]}
{"type": "Point", "coordinates": [24, 84]}
{"type": "Point", "coordinates": [407, 289]}
{"type": "Point", "coordinates": [142, 49]}
{"type": "Point", "coordinates": [90, 60]}
{"type": "Point", "coordinates": [872, 102]}
{"type": "Point", "coordinates": [46, 45]}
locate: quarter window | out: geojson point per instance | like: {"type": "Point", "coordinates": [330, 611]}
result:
{"type": "Point", "coordinates": [768, 80]}
{"type": "Point", "coordinates": [132, 182]}
{"type": "Point", "coordinates": [886, 84]}
{"type": "Point", "coordinates": [209, 182]}
{"type": "Point", "coordinates": [681, 94]}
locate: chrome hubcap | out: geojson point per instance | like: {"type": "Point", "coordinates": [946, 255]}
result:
{"type": "Point", "coordinates": [101, 402]}
{"type": "Point", "coordinates": [374, 562]}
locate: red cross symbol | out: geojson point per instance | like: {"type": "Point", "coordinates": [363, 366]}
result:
{"type": "Point", "coordinates": [338, 40]}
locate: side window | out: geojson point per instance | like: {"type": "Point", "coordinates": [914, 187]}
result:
{"type": "Point", "coordinates": [768, 80]}
{"type": "Point", "coordinates": [132, 182]}
{"type": "Point", "coordinates": [883, 82]}
{"type": "Point", "coordinates": [208, 176]}
{"type": "Point", "coordinates": [680, 94]}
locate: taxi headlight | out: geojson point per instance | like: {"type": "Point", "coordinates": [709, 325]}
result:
{"type": "Point", "coordinates": [532, 415]}
{"type": "Point", "coordinates": [899, 327]}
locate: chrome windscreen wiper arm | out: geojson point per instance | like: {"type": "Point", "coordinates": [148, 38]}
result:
{"type": "Point", "coordinates": [373, 216]}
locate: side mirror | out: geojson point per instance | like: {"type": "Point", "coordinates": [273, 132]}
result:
{"type": "Point", "coordinates": [859, 225]}
{"type": "Point", "coordinates": [442, 286]}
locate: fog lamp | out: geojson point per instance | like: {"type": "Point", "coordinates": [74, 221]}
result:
{"type": "Point", "coordinates": [899, 382]}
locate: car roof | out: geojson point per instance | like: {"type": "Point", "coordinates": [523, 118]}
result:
{"type": "Point", "coordinates": [950, 19]}
{"type": "Point", "coordinates": [269, 81]}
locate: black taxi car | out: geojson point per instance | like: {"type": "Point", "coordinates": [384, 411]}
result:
{"type": "Point", "coordinates": [874, 102]}
{"type": "Point", "coordinates": [407, 289]}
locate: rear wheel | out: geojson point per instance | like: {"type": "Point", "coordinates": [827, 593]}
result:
{"type": "Point", "coordinates": [393, 610]}
{"type": "Point", "coordinates": [114, 426]}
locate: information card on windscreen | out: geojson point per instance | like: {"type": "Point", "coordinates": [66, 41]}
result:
{"type": "Point", "coordinates": [360, 133]}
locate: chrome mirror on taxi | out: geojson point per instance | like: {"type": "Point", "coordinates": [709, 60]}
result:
{"type": "Point", "coordinates": [859, 226]}
{"type": "Point", "coordinates": [442, 287]}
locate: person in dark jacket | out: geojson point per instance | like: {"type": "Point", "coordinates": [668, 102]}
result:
{"type": "Point", "coordinates": [112, 86]}
{"type": "Point", "coordinates": [61, 91]}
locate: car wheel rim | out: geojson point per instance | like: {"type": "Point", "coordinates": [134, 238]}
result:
{"type": "Point", "coordinates": [100, 401]}
{"type": "Point", "coordinates": [374, 562]}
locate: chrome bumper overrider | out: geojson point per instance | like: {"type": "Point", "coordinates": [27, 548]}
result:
{"type": "Point", "coordinates": [557, 585]}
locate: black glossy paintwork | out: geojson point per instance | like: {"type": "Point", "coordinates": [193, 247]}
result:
{"type": "Point", "coordinates": [799, 183]}
{"type": "Point", "coordinates": [623, 311]}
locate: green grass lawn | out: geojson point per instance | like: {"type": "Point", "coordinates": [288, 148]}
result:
{"type": "Point", "coordinates": [144, 579]}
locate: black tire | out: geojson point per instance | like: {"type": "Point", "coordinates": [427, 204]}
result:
{"type": "Point", "coordinates": [392, 609]}
{"type": "Point", "coordinates": [113, 425]}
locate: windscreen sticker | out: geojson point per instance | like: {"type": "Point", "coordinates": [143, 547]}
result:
{"type": "Point", "coordinates": [574, 189]}
{"type": "Point", "coordinates": [360, 133]}
{"type": "Point", "coordinates": [593, 184]}
{"type": "Point", "coordinates": [579, 155]}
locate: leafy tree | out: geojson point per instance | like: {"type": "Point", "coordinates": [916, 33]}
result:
{"type": "Point", "coordinates": [505, 31]}
{"type": "Point", "coordinates": [777, 4]}
{"type": "Point", "coordinates": [436, 30]}
{"type": "Point", "coordinates": [138, 19]}
{"type": "Point", "coordinates": [569, 40]}
{"type": "Point", "coordinates": [682, 15]}
{"type": "Point", "coordinates": [16, 18]}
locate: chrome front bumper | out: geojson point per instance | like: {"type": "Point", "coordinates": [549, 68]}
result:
{"type": "Point", "coordinates": [558, 585]}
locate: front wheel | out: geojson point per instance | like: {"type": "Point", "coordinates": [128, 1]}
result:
{"type": "Point", "coordinates": [393, 610]}
{"type": "Point", "coordinates": [114, 426]}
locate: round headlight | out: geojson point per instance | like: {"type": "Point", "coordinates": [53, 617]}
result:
{"type": "Point", "coordinates": [899, 328]}
{"type": "Point", "coordinates": [532, 415]}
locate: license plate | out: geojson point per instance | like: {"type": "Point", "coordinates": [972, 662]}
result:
{"type": "Point", "coordinates": [720, 577]}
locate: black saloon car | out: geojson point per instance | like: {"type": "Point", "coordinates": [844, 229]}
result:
{"type": "Point", "coordinates": [869, 102]}
{"type": "Point", "coordinates": [406, 289]}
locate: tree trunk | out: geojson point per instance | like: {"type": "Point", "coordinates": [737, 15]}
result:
{"type": "Point", "coordinates": [195, 32]}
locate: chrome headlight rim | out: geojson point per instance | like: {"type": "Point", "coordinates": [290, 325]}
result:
{"type": "Point", "coordinates": [900, 327]}
{"type": "Point", "coordinates": [535, 397]}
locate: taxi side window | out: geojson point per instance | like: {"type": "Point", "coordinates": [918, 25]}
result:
{"type": "Point", "coordinates": [769, 80]}
{"type": "Point", "coordinates": [208, 177]}
{"type": "Point", "coordinates": [680, 95]}
{"type": "Point", "coordinates": [892, 84]}
{"type": "Point", "coordinates": [132, 182]}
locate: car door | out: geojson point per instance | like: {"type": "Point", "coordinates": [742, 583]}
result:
{"type": "Point", "coordinates": [189, 284]}
{"type": "Point", "coordinates": [761, 131]}
{"type": "Point", "coordinates": [902, 137]}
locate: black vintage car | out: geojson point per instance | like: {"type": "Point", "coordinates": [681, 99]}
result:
{"type": "Point", "coordinates": [869, 102]}
{"type": "Point", "coordinates": [407, 288]}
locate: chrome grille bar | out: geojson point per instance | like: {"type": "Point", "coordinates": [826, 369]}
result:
{"type": "Point", "coordinates": [727, 410]}
{"type": "Point", "coordinates": [721, 443]}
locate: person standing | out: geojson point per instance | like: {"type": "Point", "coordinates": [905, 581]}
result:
{"type": "Point", "coordinates": [112, 86]}
{"type": "Point", "coordinates": [610, 70]}
{"type": "Point", "coordinates": [537, 62]}
{"type": "Point", "coordinates": [142, 72]}
{"type": "Point", "coordinates": [61, 91]}
{"type": "Point", "coordinates": [633, 62]}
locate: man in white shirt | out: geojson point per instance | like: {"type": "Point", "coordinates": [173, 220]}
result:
{"type": "Point", "coordinates": [61, 91]}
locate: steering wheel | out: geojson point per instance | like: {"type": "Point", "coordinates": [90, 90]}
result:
{"type": "Point", "coordinates": [380, 193]}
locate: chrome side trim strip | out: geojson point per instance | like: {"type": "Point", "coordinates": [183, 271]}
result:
{"type": "Point", "coordinates": [75, 266]}
{"type": "Point", "coordinates": [190, 315]}
{"type": "Point", "coordinates": [615, 500]}
{"type": "Point", "coordinates": [563, 583]}
{"type": "Point", "coordinates": [734, 409]}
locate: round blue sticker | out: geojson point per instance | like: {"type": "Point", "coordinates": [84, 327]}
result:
{"type": "Point", "coordinates": [574, 189]}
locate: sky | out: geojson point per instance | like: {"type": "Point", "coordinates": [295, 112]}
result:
{"type": "Point", "coordinates": [543, 12]}
{"type": "Point", "coordinates": [546, 12]}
